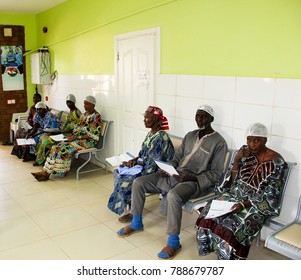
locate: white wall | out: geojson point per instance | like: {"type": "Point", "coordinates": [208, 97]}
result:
{"type": "Point", "coordinates": [237, 101]}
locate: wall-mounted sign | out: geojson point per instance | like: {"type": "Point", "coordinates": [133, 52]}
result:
{"type": "Point", "coordinates": [12, 68]}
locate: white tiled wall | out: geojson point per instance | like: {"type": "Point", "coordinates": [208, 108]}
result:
{"type": "Point", "coordinates": [237, 101]}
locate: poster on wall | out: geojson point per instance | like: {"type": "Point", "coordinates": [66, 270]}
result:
{"type": "Point", "coordinates": [12, 68]}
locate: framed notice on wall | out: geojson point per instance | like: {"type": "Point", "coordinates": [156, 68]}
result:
{"type": "Point", "coordinates": [12, 67]}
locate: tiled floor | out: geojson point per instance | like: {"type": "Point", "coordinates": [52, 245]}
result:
{"type": "Point", "coordinates": [65, 219]}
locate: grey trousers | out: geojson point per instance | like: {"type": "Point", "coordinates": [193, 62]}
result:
{"type": "Point", "coordinates": [177, 195]}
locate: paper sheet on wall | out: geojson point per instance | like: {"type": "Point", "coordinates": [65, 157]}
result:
{"type": "Point", "coordinates": [166, 167]}
{"type": "Point", "coordinates": [219, 208]}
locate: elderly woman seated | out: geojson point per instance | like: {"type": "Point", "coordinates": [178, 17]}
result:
{"type": "Point", "coordinates": [22, 132]}
{"type": "Point", "coordinates": [46, 141]}
{"type": "Point", "coordinates": [42, 120]}
{"type": "Point", "coordinates": [156, 146]}
{"type": "Point", "coordinates": [253, 185]}
{"type": "Point", "coordinates": [84, 135]}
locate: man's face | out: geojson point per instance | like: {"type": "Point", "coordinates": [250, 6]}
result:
{"type": "Point", "coordinates": [203, 119]}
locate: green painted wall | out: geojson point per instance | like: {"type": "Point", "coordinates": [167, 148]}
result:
{"type": "Point", "coordinates": [29, 22]}
{"type": "Point", "coordinates": [205, 37]}
{"type": "Point", "coordinates": [258, 38]}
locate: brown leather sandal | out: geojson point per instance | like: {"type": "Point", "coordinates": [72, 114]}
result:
{"type": "Point", "coordinates": [127, 231]}
{"type": "Point", "coordinates": [171, 252]}
{"type": "Point", "coordinates": [40, 176]}
{"type": "Point", "coordinates": [126, 218]}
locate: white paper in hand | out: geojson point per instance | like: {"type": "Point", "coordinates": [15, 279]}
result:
{"type": "Point", "coordinates": [117, 160]}
{"type": "Point", "coordinates": [58, 137]}
{"type": "Point", "coordinates": [219, 208]}
{"type": "Point", "coordinates": [166, 167]}
{"type": "Point", "coordinates": [24, 141]}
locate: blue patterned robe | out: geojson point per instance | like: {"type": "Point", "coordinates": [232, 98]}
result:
{"type": "Point", "coordinates": [156, 146]}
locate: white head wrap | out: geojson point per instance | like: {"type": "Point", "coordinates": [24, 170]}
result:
{"type": "Point", "coordinates": [90, 99]}
{"type": "Point", "coordinates": [41, 105]}
{"type": "Point", "coordinates": [207, 109]}
{"type": "Point", "coordinates": [257, 130]}
{"type": "Point", "coordinates": [71, 97]}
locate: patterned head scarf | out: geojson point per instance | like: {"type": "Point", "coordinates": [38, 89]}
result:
{"type": "Point", "coordinates": [41, 105]}
{"type": "Point", "coordinates": [257, 129]}
{"type": "Point", "coordinates": [71, 97]}
{"type": "Point", "coordinates": [90, 99]}
{"type": "Point", "coordinates": [208, 109]}
{"type": "Point", "coordinates": [156, 111]}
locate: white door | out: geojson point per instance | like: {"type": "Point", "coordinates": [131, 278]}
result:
{"type": "Point", "coordinates": [136, 56]}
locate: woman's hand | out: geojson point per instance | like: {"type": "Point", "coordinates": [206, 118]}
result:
{"type": "Point", "coordinates": [71, 138]}
{"type": "Point", "coordinates": [129, 163]}
{"type": "Point", "coordinates": [242, 153]}
{"type": "Point", "coordinates": [237, 207]}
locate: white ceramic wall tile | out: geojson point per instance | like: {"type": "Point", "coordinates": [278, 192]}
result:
{"type": "Point", "coordinates": [223, 111]}
{"type": "Point", "coordinates": [245, 114]}
{"type": "Point", "coordinates": [183, 126]}
{"type": "Point", "coordinates": [288, 93]}
{"type": "Point", "coordinates": [190, 86]}
{"type": "Point", "coordinates": [290, 149]}
{"type": "Point", "coordinates": [219, 88]}
{"type": "Point", "coordinates": [108, 99]}
{"type": "Point", "coordinates": [226, 132]}
{"type": "Point", "coordinates": [258, 91]}
{"type": "Point", "coordinates": [286, 123]}
{"type": "Point", "coordinates": [166, 84]}
{"type": "Point", "coordinates": [167, 103]}
{"type": "Point", "coordinates": [171, 124]}
{"type": "Point", "coordinates": [187, 107]}
{"type": "Point", "coordinates": [238, 138]}
{"type": "Point", "coordinates": [107, 82]}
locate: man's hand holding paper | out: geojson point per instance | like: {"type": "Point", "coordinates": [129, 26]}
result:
{"type": "Point", "coordinates": [166, 167]}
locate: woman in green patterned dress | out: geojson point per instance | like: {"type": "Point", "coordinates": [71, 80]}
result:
{"type": "Point", "coordinates": [46, 142]}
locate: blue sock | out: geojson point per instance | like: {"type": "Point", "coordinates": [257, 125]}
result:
{"type": "Point", "coordinates": [173, 240]}
{"type": "Point", "coordinates": [137, 222]}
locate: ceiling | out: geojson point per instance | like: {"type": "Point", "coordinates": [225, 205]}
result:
{"type": "Point", "coordinates": [27, 6]}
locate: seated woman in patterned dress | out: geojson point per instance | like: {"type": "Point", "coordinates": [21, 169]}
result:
{"type": "Point", "coordinates": [84, 136]}
{"type": "Point", "coordinates": [253, 183]}
{"type": "Point", "coordinates": [42, 119]}
{"type": "Point", "coordinates": [20, 151]}
{"type": "Point", "coordinates": [45, 142]}
{"type": "Point", "coordinates": [156, 146]}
